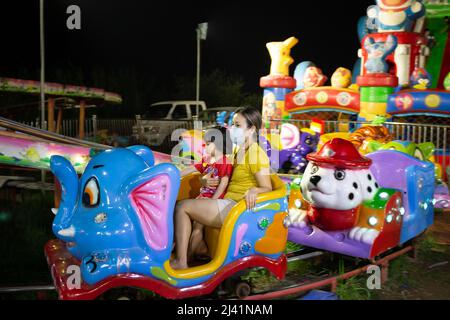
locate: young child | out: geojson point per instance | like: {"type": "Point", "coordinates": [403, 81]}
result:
{"type": "Point", "coordinates": [215, 164]}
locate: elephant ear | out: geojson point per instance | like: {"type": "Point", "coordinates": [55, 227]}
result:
{"type": "Point", "coordinates": [289, 136]}
{"type": "Point", "coordinates": [145, 153]}
{"type": "Point", "coordinates": [153, 201]}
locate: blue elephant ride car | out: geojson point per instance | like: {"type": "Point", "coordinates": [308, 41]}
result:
{"type": "Point", "coordinates": [115, 229]}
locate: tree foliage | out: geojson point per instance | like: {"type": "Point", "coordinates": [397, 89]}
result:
{"type": "Point", "coordinates": [217, 89]}
{"type": "Point", "coordinates": [138, 89]}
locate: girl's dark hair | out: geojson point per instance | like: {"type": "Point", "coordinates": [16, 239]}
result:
{"type": "Point", "coordinates": [224, 145]}
{"type": "Point", "coordinates": [252, 117]}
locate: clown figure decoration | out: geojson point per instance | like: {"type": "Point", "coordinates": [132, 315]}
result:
{"type": "Point", "coordinates": [396, 15]}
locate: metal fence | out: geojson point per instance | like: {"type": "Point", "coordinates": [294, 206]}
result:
{"type": "Point", "coordinates": [139, 131]}
{"type": "Point", "coordinates": [121, 127]}
{"type": "Point", "coordinates": [92, 127]}
{"type": "Point", "coordinates": [438, 134]}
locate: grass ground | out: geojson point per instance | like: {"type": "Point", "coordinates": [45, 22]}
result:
{"type": "Point", "coordinates": [24, 229]}
{"type": "Point", "coordinates": [428, 275]}
{"type": "Point", "coordinates": [425, 276]}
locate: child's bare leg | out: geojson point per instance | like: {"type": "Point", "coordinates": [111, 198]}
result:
{"type": "Point", "coordinates": [204, 211]}
{"type": "Point", "coordinates": [197, 245]}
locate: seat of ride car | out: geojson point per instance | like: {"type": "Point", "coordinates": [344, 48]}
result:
{"type": "Point", "coordinates": [218, 239]}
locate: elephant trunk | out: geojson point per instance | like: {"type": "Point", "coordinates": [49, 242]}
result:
{"type": "Point", "coordinates": [67, 176]}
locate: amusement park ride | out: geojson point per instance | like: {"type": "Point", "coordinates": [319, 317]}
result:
{"type": "Point", "coordinates": [360, 194]}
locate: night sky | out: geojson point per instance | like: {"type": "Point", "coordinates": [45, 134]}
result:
{"type": "Point", "coordinates": [159, 39]}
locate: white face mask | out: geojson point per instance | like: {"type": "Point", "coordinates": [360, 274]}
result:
{"type": "Point", "coordinates": [237, 135]}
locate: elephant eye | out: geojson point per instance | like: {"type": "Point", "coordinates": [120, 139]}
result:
{"type": "Point", "coordinates": [91, 194]}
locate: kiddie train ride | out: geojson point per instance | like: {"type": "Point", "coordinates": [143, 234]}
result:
{"type": "Point", "coordinates": [115, 223]}
{"type": "Point", "coordinates": [362, 206]}
{"type": "Point", "coordinates": [115, 226]}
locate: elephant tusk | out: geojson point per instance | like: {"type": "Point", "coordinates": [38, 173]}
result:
{"type": "Point", "coordinates": [55, 211]}
{"type": "Point", "coordinates": [69, 232]}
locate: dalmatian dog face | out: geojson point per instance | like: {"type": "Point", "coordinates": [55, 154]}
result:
{"type": "Point", "coordinates": [369, 185]}
{"type": "Point", "coordinates": [333, 188]}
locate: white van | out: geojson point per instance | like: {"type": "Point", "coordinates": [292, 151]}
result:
{"type": "Point", "coordinates": [162, 118]}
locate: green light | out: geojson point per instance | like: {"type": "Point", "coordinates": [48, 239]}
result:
{"type": "Point", "coordinates": [4, 216]}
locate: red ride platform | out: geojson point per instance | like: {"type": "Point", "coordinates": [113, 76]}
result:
{"type": "Point", "coordinates": [59, 259]}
